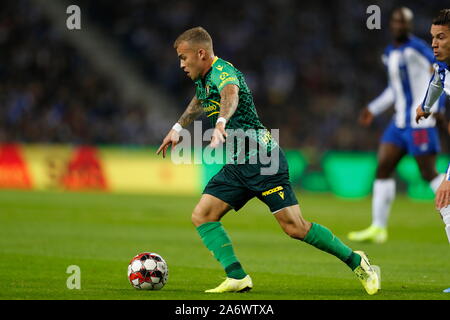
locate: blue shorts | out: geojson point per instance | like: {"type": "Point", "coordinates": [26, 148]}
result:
{"type": "Point", "coordinates": [416, 141]}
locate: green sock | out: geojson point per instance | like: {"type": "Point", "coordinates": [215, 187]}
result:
{"type": "Point", "coordinates": [217, 241]}
{"type": "Point", "coordinates": [323, 239]}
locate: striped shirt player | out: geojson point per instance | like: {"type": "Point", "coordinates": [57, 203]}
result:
{"type": "Point", "coordinates": [408, 63]}
{"type": "Point", "coordinates": [440, 82]}
{"type": "Point", "coordinates": [408, 67]}
{"type": "Point", "coordinates": [440, 35]}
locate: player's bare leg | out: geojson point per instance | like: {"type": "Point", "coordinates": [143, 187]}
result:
{"type": "Point", "coordinates": [442, 203]}
{"type": "Point", "coordinates": [209, 209]}
{"type": "Point", "coordinates": [389, 155]}
{"type": "Point", "coordinates": [427, 168]}
{"type": "Point", "coordinates": [206, 218]}
{"type": "Point", "coordinates": [294, 225]}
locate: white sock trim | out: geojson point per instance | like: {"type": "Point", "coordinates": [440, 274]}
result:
{"type": "Point", "coordinates": [383, 196]}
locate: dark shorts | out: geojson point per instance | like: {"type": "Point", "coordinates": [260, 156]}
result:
{"type": "Point", "coordinates": [415, 141]}
{"type": "Point", "coordinates": [236, 184]}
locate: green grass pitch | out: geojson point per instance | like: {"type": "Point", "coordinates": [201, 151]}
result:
{"type": "Point", "coordinates": [43, 233]}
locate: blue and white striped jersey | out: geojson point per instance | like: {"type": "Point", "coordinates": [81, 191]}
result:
{"type": "Point", "coordinates": [443, 70]}
{"type": "Point", "coordinates": [409, 69]}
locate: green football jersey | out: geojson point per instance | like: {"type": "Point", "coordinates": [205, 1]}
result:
{"type": "Point", "coordinates": [245, 117]}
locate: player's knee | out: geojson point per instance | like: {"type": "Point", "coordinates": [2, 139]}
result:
{"type": "Point", "coordinates": [197, 218]}
{"type": "Point", "coordinates": [297, 230]}
{"type": "Point", "coordinates": [200, 216]}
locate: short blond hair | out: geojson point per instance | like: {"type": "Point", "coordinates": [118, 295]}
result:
{"type": "Point", "coordinates": [197, 36]}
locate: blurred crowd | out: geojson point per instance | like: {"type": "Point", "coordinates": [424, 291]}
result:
{"type": "Point", "coordinates": [50, 93]}
{"type": "Point", "coordinates": [311, 65]}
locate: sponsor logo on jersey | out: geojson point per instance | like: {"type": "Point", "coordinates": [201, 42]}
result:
{"type": "Point", "coordinates": [212, 106]}
{"type": "Point", "coordinates": [224, 75]}
{"type": "Point", "coordinates": [209, 108]}
{"type": "Point", "coordinates": [276, 189]}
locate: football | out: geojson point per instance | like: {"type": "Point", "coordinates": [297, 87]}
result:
{"type": "Point", "coordinates": [148, 271]}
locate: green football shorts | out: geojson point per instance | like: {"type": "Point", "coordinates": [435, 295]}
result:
{"type": "Point", "coordinates": [236, 184]}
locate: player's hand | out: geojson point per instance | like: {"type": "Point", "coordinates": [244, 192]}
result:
{"type": "Point", "coordinates": [365, 117]}
{"type": "Point", "coordinates": [443, 195]}
{"type": "Point", "coordinates": [218, 136]}
{"type": "Point", "coordinates": [172, 138]}
{"type": "Point", "coordinates": [421, 114]}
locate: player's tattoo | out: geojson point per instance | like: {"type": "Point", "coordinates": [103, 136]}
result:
{"type": "Point", "coordinates": [192, 112]}
{"type": "Point", "coordinates": [229, 100]}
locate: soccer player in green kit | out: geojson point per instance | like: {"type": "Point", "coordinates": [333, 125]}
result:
{"type": "Point", "coordinates": [221, 92]}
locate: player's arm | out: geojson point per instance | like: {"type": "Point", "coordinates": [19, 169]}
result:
{"type": "Point", "coordinates": [192, 112]}
{"type": "Point", "coordinates": [377, 106]}
{"type": "Point", "coordinates": [434, 91]}
{"type": "Point", "coordinates": [229, 100]}
{"type": "Point", "coordinates": [380, 103]}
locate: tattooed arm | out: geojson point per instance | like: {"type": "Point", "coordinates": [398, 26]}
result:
{"type": "Point", "coordinates": [192, 112]}
{"type": "Point", "coordinates": [229, 100]}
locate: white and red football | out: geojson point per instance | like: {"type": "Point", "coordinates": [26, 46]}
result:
{"type": "Point", "coordinates": [148, 271]}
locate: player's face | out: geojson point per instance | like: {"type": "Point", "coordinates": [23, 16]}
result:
{"type": "Point", "coordinates": [440, 42]}
{"type": "Point", "coordinates": [400, 26]}
{"type": "Point", "coordinates": [190, 60]}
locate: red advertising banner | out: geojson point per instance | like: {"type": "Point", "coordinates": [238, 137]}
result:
{"type": "Point", "coordinates": [13, 170]}
{"type": "Point", "coordinates": [84, 171]}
